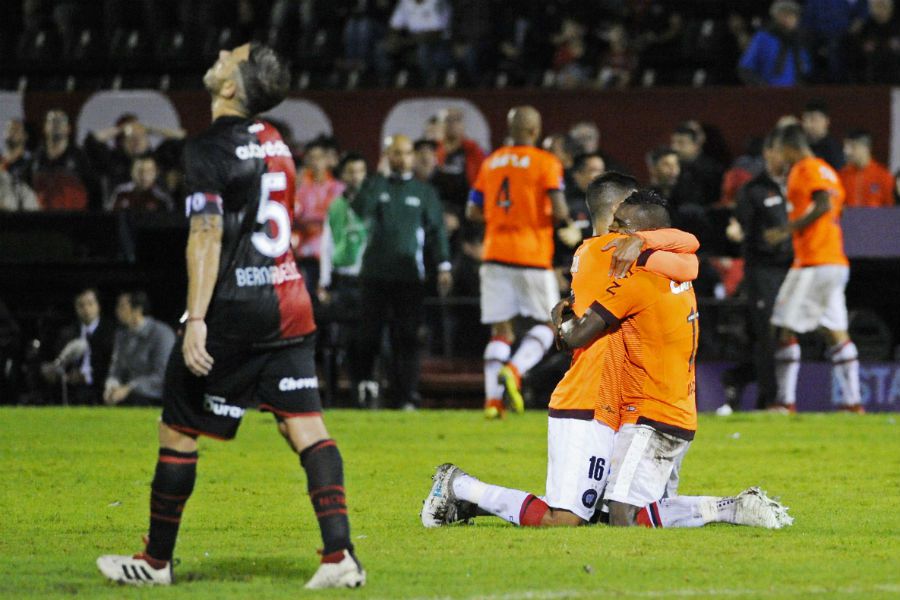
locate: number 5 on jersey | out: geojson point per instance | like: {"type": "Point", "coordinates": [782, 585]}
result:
{"type": "Point", "coordinates": [270, 209]}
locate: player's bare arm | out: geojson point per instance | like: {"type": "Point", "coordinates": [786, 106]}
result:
{"type": "Point", "coordinates": [474, 213]}
{"type": "Point", "coordinates": [821, 205]}
{"type": "Point", "coordinates": [203, 250]}
{"type": "Point", "coordinates": [581, 331]}
{"type": "Point", "coordinates": [673, 241]}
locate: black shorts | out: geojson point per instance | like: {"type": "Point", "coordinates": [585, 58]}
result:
{"type": "Point", "coordinates": [281, 381]}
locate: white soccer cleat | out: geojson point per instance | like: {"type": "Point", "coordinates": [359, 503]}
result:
{"type": "Point", "coordinates": [133, 570]}
{"type": "Point", "coordinates": [755, 509]}
{"type": "Point", "coordinates": [343, 573]}
{"type": "Point", "coordinates": [440, 506]}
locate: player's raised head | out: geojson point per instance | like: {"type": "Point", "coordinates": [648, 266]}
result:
{"type": "Point", "coordinates": [253, 77]}
{"type": "Point", "coordinates": [524, 124]}
{"type": "Point", "coordinates": [606, 193]}
{"type": "Point", "coordinates": [642, 210]}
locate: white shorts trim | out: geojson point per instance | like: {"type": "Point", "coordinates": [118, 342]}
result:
{"type": "Point", "coordinates": [642, 464]}
{"type": "Point", "coordinates": [578, 457]}
{"type": "Point", "coordinates": [509, 292]}
{"type": "Point", "coordinates": [813, 297]}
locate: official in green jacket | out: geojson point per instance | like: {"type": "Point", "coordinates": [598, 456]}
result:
{"type": "Point", "coordinates": [404, 219]}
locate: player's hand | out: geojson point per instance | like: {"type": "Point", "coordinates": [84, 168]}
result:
{"type": "Point", "coordinates": [556, 315]}
{"type": "Point", "coordinates": [570, 235]}
{"type": "Point", "coordinates": [444, 283]}
{"type": "Point", "coordinates": [323, 295]}
{"type": "Point", "coordinates": [196, 358]}
{"type": "Point", "coordinates": [627, 251]}
{"type": "Point", "coordinates": [116, 395]}
{"type": "Point", "coordinates": [776, 235]}
{"type": "Point", "coordinates": [734, 231]}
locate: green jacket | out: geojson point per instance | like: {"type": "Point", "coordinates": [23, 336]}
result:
{"type": "Point", "coordinates": [405, 221]}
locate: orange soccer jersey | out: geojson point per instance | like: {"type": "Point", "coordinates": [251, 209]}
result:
{"type": "Point", "coordinates": [821, 242]}
{"type": "Point", "coordinates": [591, 387]}
{"type": "Point", "coordinates": [511, 189]}
{"type": "Point", "coordinates": [660, 328]}
{"type": "Point", "coordinates": [872, 185]}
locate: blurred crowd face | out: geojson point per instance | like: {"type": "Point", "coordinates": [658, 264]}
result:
{"type": "Point", "coordinates": [787, 19]}
{"type": "Point", "coordinates": [134, 139]}
{"type": "Point", "coordinates": [454, 124]}
{"type": "Point", "coordinates": [15, 135]}
{"type": "Point", "coordinates": [815, 124]}
{"type": "Point", "coordinates": [774, 162]}
{"type": "Point", "coordinates": [56, 126]}
{"type": "Point", "coordinates": [666, 170]}
{"type": "Point", "coordinates": [316, 160]}
{"type": "Point", "coordinates": [556, 145]}
{"type": "Point", "coordinates": [686, 147]}
{"type": "Point", "coordinates": [591, 169]}
{"type": "Point", "coordinates": [128, 315]}
{"type": "Point", "coordinates": [587, 136]}
{"type": "Point", "coordinates": [881, 10]}
{"type": "Point", "coordinates": [87, 307]}
{"type": "Point", "coordinates": [857, 152]}
{"type": "Point", "coordinates": [144, 173]}
{"type": "Point", "coordinates": [354, 174]}
{"type": "Point", "coordinates": [434, 129]}
{"type": "Point", "coordinates": [425, 162]}
{"type": "Point", "coordinates": [400, 154]}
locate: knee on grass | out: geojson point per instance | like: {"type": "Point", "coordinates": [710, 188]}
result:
{"type": "Point", "coordinates": [622, 515]}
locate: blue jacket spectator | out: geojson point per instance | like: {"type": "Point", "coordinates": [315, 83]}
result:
{"type": "Point", "coordinates": [775, 55]}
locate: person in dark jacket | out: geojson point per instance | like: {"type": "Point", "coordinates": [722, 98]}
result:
{"type": "Point", "coordinates": [776, 55]}
{"type": "Point", "coordinates": [405, 226]}
{"type": "Point", "coordinates": [760, 206]}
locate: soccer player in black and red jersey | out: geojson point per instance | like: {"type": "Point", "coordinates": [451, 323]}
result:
{"type": "Point", "coordinates": [249, 332]}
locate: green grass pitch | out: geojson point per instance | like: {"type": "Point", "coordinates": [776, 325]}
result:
{"type": "Point", "coordinates": [75, 485]}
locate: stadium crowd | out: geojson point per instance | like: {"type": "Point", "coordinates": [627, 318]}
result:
{"type": "Point", "coordinates": [557, 43]}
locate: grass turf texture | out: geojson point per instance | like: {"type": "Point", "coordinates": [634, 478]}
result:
{"type": "Point", "coordinates": [75, 485]}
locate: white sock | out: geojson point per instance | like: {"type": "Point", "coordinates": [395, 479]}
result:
{"type": "Point", "coordinates": [499, 501]}
{"type": "Point", "coordinates": [692, 511]}
{"type": "Point", "coordinates": [787, 369]}
{"type": "Point", "coordinates": [533, 347]}
{"type": "Point", "coordinates": [845, 365]}
{"type": "Point", "coordinates": [496, 353]}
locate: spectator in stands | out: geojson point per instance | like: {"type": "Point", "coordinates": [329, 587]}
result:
{"type": "Point", "coordinates": [866, 181]}
{"type": "Point", "coordinates": [422, 26]}
{"type": "Point", "coordinates": [586, 168]}
{"type": "Point", "coordinates": [130, 139]}
{"type": "Point", "coordinates": [425, 162]}
{"type": "Point", "coordinates": [16, 195]}
{"type": "Point", "coordinates": [140, 353]}
{"type": "Point", "coordinates": [776, 55]}
{"type": "Point", "coordinates": [16, 159]}
{"type": "Point", "coordinates": [84, 352]}
{"type": "Point", "coordinates": [564, 147]}
{"type": "Point", "coordinates": [679, 189]}
{"type": "Point", "coordinates": [363, 28]}
{"type": "Point", "coordinates": [877, 46]}
{"type": "Point", "coordinates": [142, 193]}
{"type": "Point", "coordinates": [315, 192]}
{"type": "Point", "coordinates": [587, 138]}
{"type": "Point", "coordinates": [403, 218]}
{"type": "Point", "coordinates": [569, 63]}
{"type": "Point", "coordinates": [702, 170]}
{"type": "Point", "coordinates": [816, 124]}
{"type": "Point", "coordinates": [619, 63]}
{"type": "Point", "coordinates": [61, 173]}
{"type": "Point", "coordinates": [827, 24]}
{"type": "Point", "coordinates": [459, 158]}
{"type": "Point", "coordinates": [664, 168]}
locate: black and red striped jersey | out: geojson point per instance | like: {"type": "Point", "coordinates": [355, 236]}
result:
{"type": "Point", "coordinates": [241, 169]}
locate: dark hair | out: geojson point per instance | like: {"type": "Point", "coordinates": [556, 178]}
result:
{"type": "Point", "coordinates": [88, 290]}
{"type": "Point", "coordinates": [657, 153]}
{"type": "Point", "coordinates": [606, 189]}
{"type": "Point", "coordinates": [793, 136]}
{"type": "Point", "coordinates": [581, 160]}
{"type": "Point", "coordinates": [862, 136]}
{"type": "Point", "coordinates": [313, 144]}
{"type": "Point", "coordinates": [816, 105]}
{"type": "Point", "coordinates": [771, 138]}
{"type": "Point", "coordinates": [652, 207]}
{"type": "Point", "coordinates": [423, 143]}
{"type": "Point", "coordinates": [348, 158]}
{"type": "Point", "coordinates": [686, 130]}
{"type": "Point", "coordinates": [139, 299]}
{"type": "Point", "coordinates": [265, 78]}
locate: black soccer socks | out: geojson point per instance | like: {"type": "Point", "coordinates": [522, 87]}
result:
{"type": "Point", "coordinates": [172, 486]}
{"type": "Point", "coordinates": [325, 482]}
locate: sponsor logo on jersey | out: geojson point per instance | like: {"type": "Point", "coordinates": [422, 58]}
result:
{"type": "Point", "coordinates": [772, 201]}
{"type": "Point", "coordinates": [271, 275]}
{"type": "Point", "coordinates": [589, 498]}
{"type": "Point", "coordinates": [679, 288]}
{"type": "Point", "coordinates": [413, 201]}
{"type": "Point", "coordinates": [270, 148]}
{"type": "Point", "coordinates": [289, 384]}
{"type": "Point", "coordinates": [384, 197]}
{"type": "Point", "coordinates": [216, 405]}
{"type": "Point", "coordinates": [256, 128]}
